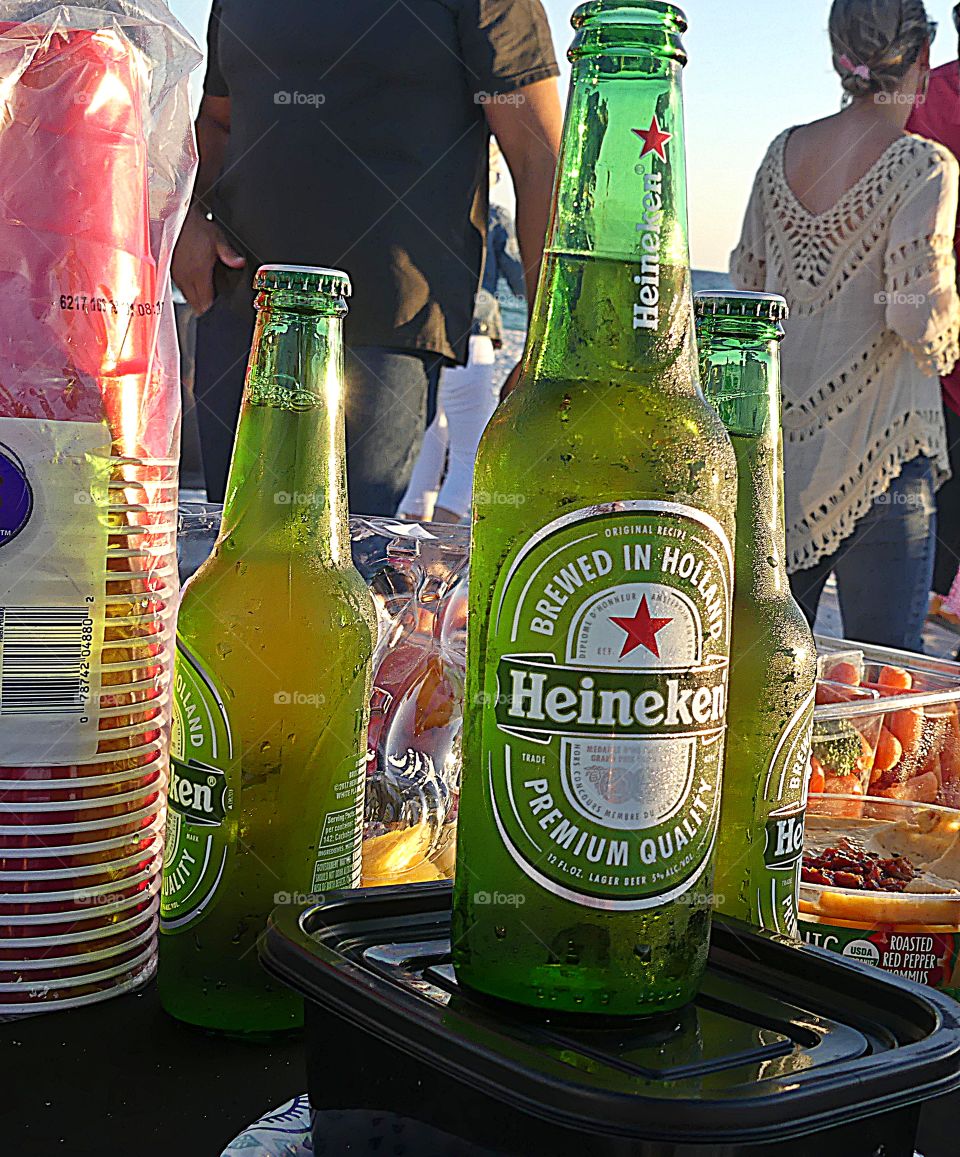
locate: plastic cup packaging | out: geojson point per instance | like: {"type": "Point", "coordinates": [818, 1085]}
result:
{"type": "Point", "coordinates": [67, 819]}
{"type": "Point", "coordinates": [58, 838]}
{"type": "Point", "coordinates": [125, 792]}
{"type": "Point", "coordinates": [93, 917]}
{"type": "Point", "coordinates": [95, 852]}
{"type": "Point", "coordinates": [46, 996]}
{"type": "Point", "coordinates": [68, 943]}
{"type": "Point", "coordinates": [13, 980]}
{"type": "Point", "coordinates": [134, 760]}
{"type": "Point", "coordinates": [94, 899]}
{"type": "Point", "coordinates": [46, 958]}
{"type": "Point", "coordinates": [81, 782]}
{"type": "Point", "coordinates": [149, 711]}
{"type": "Point", "coordinates": [41, 880]}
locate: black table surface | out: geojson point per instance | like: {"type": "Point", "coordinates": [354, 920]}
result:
{"type": "Point", "coordinates": [121, 1079]}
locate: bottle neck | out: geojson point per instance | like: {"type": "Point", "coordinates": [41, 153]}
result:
{"type": "Point", "coordinates": [614, 294]}
{"type": "Point", "coordinates": [740, 375]}
{"type": "Point", "coordinates": [286, 491]}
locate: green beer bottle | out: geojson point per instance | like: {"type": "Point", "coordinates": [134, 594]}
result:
{"type": "Point", "coordinates": [271, 675]}
{"type": "Point", "coordinates": [773, 659]}
{"type": "Point", "coordinates": [600, 578]}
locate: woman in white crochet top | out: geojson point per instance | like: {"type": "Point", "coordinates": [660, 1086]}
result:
{"type": "Point", "coordinates": [852, 220]}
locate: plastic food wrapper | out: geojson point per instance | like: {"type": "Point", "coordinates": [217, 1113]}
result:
{"type": "Point", "coordinates": [96, 165]}
{"type": "Point", "coordinates": [417, 574]}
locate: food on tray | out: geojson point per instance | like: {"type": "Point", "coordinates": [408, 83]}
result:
{"type": "Point", "coordinates": [850, 865]}
{"type": "Point", "coordinates": [910, 753]}
{"type": "Point", "coordinates": [879, 860]}
{"type": "Point", "coordinates": [883, 888]}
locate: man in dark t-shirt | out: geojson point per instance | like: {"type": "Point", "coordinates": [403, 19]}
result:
{"type": "Point", "coordinates": [354, 134]}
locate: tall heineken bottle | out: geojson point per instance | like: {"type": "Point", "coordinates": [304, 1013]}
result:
{"type": "Point", "coordinates": [601, 578]}
{"type": "Point", "coordinates": [773, 659]}
{"type": "Point", "coordinates": [271, 674]}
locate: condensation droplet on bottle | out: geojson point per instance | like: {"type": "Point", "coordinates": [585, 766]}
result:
{"type": "Point", "coordinates": [265, 746]}
{"type": "Point", "coordinates": [643, 952]}
{"type": "Point", "coordinates": [241, 568]}
{"type": "Point", "coordinates": [500, 932]}
{"type": "Point", "coordinates": [223, 650]}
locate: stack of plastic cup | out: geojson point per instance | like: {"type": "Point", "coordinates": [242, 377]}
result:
{"type": "Point", "coordinates": [81, 842]}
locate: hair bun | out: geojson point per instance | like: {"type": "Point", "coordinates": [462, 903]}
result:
{"type": "Point", "coordinates": [876, 42]}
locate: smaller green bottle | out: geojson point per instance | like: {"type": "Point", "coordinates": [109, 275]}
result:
{"type": "Point", "coordinates": [772, 653]}
{"type": "Point", "coordinates": [271, 677]}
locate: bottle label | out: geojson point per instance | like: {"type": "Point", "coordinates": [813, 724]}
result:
{"type": "Point", "coordinates": [604, 705]}
{"type": "Point", "coordinates": [339, 848]}
{"type": "Point", "coordinates": [54, 526]}
{"type": "Point", "coordinates": [931, 958]}
{"type": "Point", "coordinates": [783, 802]}
{"type": "Point", "coordinates": [199, 836]}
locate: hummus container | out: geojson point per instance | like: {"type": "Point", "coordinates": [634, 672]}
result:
{"type": "Point", "coordinates": [880, 884]}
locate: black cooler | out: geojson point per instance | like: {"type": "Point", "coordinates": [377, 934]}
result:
{"type": "Point", "coordinates": [787, 1050]}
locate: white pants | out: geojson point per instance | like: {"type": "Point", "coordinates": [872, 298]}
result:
{"type": "Point", "coordinates": [465, 401]}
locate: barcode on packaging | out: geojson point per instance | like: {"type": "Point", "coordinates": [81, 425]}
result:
{"type": "Point", "coordinates": [45, 660]}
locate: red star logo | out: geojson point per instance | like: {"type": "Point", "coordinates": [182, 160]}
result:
{"type": "Point", "coordinates": [653, 139]}
{"type": "Point", "coordinates": [641, 630]}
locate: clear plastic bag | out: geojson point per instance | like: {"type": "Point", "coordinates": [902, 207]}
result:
{"type": "Point", "coordinates": [96, 165]}
{"type": "Point", "coordinates": [417, 573]}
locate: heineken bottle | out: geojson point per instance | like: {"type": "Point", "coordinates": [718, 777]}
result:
{"type": "Point", "coordinates": [272, 672]}
{"type": "Point", "coordinates": [601, 578]}
{"type": "Point", "coordinates": [773, 659]}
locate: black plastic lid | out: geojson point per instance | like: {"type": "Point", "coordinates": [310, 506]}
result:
{"type": "Point", "coordinates": [782, 1040]}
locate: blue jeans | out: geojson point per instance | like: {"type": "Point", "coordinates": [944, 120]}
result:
{"type": "Point", "coordinates": [389, 399]}
{"type": "Point", "coordinates": [885, 567]}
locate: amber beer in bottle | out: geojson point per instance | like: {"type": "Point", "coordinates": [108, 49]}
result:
{"type": "Point", "coordinates": [773, 660]}
{"type": "Point", "coordinates": [601, 578]}
{"type": "Point", "coordinates": [272, 676]}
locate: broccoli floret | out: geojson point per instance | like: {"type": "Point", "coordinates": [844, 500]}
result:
{"type": "Point", "coordinates": [838, 752]}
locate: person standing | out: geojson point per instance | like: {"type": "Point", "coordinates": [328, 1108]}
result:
{"type": "Point", "coordinates": [355, 136]}
{"type": "Point", "coordinates": [442, 482]}
{"type": "Point", "coordinates": [937, 117]}
{"type": "Point", "coordinates": [852, 219]}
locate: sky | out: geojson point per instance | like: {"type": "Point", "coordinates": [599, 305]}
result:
{"type": "Point", "coordinates": [756, 66]}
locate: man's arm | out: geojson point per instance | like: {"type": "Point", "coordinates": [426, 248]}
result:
{"type": "Point", "coordinates": [201, 243]}
{"type": "Point", "coordinates": [528, 132]}
{"type": "Point", "coordinates": [213, 133]}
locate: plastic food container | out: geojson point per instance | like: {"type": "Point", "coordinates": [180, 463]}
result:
{"type": "Point", "coordinates": [880, 884]}
{"type": "Point", "coordinates": [396, 1053]}
{"type": "Point", "coordinates": [886, 725]}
